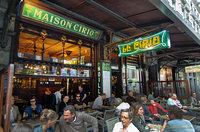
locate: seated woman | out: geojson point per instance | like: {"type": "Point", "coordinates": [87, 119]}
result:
{"type": "Point", "coordinates": [33, 110]}
{"type": "Point", "coordinates": [156, 108]}
{"type": "Point", "coordinates": [63, 104]}
{"type": "Point", "coordinates": [138, 118]}
{"type": "Point", "coordinates": [48, 118]}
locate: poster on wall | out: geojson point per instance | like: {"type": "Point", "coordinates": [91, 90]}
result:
{"type": "Point", "coordinates": [106, 78]}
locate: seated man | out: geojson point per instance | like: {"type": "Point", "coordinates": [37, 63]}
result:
{"type": "Point", "coordinates": [150, 96]}
{"type": "Point", "coordinates": [125, 125]}
{"type": "Point", "coordinates": [14, 112]}
{"type": "Point", "coordinates": [173, 101]}
{"type": "Point", "coordinates": [130, 99]}
{"type": "Point", "coordinates": [78, 104]}
{"type": "Point", "coordinates": [156, 108]}
{"type": "Point", "coordinates": [193, 99]}
{"type": "Point", "coordinates": [72, 121]}
{"type": "Point", "coordinates": [112, 99]}
{"type": "Point", "coordinates": [176, 123]}
{"type": "Point", "coordinates": [98, 103]}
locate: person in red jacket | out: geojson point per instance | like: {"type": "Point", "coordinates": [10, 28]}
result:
{"type": "Point", "coordinates": [156, 108]}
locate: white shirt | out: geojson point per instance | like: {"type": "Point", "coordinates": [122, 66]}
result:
{"type": "Point", "coordinates": [171, 102]}
{"type": "Point", "coordinates": [119, 127]}
{"type": "Point", "coordinates": [11, 115]}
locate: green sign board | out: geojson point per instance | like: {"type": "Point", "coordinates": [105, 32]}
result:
{"type": "Point", "coordinates": [106, 66]}
{"type": "Point", "coordinates": [106, 78]}
{"type": "Point", "coordinates": [195, 68]}
{"type": "Point", "coordinates": [153, 42]}
{"type": "Point", "coordinates": [54, 20]}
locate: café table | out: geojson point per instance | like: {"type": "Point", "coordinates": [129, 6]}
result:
{"type": "Point", "coordinates": [155, 127]}
{"type": "Point", "coordinates": [187, 117]}
{"type": "Point", "coordinates": [32, 122]}
{"type": "Point", "coordinates": [191, 108]}
{"type": "Point", "coordinates": [110, 107]}
{"type": "Point", "coordinates": [89, 110]}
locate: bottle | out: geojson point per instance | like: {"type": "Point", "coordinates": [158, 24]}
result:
{"type": "Point", "coordinates": [191, 105]}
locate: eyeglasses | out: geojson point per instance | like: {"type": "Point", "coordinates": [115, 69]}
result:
{"type": "Point", "coordinates": [78, 96]}
{"type": "Point", "coordinates": [124, 117]}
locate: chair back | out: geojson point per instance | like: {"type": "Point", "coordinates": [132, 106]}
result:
{"type": "Point", "coordinates": [163, 104]}
{"type": "Point", "coordinates": [88, 126]}
{"type": "Point", "coordinates": [90, 104]}
{"type": "Point", "coordinates": [110, 123]}
{"type": "Point", "coordinates": [94, 114]}
{"type": "Point", "coordinates": [109, 114]}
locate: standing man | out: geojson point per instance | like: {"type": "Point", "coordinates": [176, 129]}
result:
{"type": "Point", "coordinates": [126, 124]}
{"type": "Point", "coordinates": [58, 98]}
{"type": "Point", "coordinates": [98, 103]}
{"type": "Point", "coordinates": [82, 93]}
{"type": "Point", "coordinates": [72, 121]}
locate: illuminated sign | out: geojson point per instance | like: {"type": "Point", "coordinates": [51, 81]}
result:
{"type": "Point", "coordinates": [51, 19]}
{"type": "Point", "coordinates": [150, 43]}
{"type": "Point", "coordinates": [192, 69]}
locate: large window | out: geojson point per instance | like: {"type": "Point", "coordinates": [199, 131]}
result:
{"type": "Point", "coordinates": [132, 82]}
{"type": "Point", "coordinates": [33, 46]}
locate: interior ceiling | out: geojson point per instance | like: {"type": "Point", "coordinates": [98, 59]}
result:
{"type": "Point", "coordinates": [53, 48]}
{"type": "Point", "coordinates": [139, 12]}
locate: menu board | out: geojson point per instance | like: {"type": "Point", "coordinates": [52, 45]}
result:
{"type": "Point", "coordinates": [106, 78]}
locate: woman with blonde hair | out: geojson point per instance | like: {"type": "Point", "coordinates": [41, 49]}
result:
{"type": "Point", "coordinates": [48, 118]}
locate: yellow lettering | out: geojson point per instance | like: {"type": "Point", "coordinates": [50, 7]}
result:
{"type": "Point", "coordinates": [46, 17]}
{"type": "Point", "coordinates": [91, 33]}
{"type": "Point", "coordinates": [37, 13]}
{"type": "Point", "coordinates": [57, 19]}
{"type": "Point", "coordinates": [150, 42]}
{"type": "Point", "coordinates": [69, 25]}
{"type": "Point", "coordinates": [128, 48]}
{"type": "Point", "coordinates": [51, 19]}
{"type": "Point", "coordinates": [88, 31]}
{"type": "Point", "coordinates": [76, 27]}
{"type": "Point", "coordinates": [145, 43]}
{"type": "Point", "coordinates": [62, 22]}
{"type": "Point", "coordinates": [140, 44]}
{"type": "Point", "coordinates": [136, 45]}
{"type": "Point", "coordinates": [80, 29]}
{"type": "Point", "coordinates": [156, 40]}
{"type": "Point", "coordinates": [84, 29]}
{"type": "Point", "coordinates": [123, 49]}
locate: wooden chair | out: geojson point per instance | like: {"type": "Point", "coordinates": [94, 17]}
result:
{"type": "Point", "coordinates": [107, 115]}
{"type": "Point", "coordinates": [110, 123]}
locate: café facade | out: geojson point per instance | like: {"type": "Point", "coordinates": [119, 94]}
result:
{"type": "Point", "coordinates": [52, 51]}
